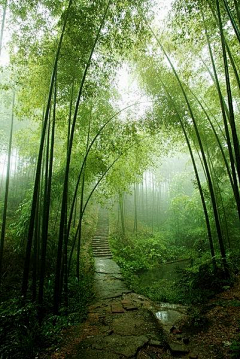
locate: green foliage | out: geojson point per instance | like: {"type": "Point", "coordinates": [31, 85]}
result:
{"type": "Point", "coordinates": [21, 333]}
{"type": "Point", "coordinates": [19, 227]}
{"type": "Point", "coordinates": [229, 303]}
{"type": "Point", "coordinates": [161, 290]}
{"type": "Point", "coordinates": [142, 251]}
{"type": "Point", "coordinates": [235, 348]}
{"type": "Point", "coordinates": [142, 259]}
{"type": "Point", "coordinates": [201, 282]}
{"type": "Point", "coordinates": [170, 206]}
{"type": "Point", "coordinates": [197, 319]}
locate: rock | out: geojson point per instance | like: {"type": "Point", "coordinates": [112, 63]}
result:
{"type": "Point", "coordinates": [128, 305]}
{"type": "Point", "coordinates": [133, 323]}
{"type": "Point", "coordinates": [117, 308]}
{"type": "Point", "coordinates": [94, 354]}
{"type": "Point", "coordinates": [178, 348]}
{"type": "Point", "coordinates": [125, 346]}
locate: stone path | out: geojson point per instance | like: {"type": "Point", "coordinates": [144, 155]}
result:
{"type": "Point", "coordinates": [120, 324]}
{"type": "Point", "coordinates": [108, 281]}
{"type": "Point", "coordinates": [100, 243]}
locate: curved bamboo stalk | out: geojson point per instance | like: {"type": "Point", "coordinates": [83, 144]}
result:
{"type": "Point", "coordinates": [62, 228]}
{"type": "Point", "coordinates": [209, 180]}
{"type": "Point", "coordinates": [39, 163]}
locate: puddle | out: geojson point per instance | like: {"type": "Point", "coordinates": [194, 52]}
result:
{"type": "Point", "coordinates": [168, 316]}
{"type": "Point", "coordinates": [175, 307]}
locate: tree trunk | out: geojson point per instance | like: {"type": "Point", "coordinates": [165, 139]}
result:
{"type": "Point", "coordinates": [4, 217]}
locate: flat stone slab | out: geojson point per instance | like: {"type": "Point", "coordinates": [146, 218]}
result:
{"type": "Point", "coordinates": [106, 289]}
{"type": "Point", "coordinates": [115, 344]}
{"type": "Point", "coordinates": [108, 281]}
{"type": "Point", "coordinates": [117, 308]}
{"type": "Point", "coordinates": [128, 305]}
{"type": "Point", "coordinates": [95, 354]}
{"type": "Point", "coordinates": [106, 265]}
{"type": "Point", "coordinates": [138, 323]}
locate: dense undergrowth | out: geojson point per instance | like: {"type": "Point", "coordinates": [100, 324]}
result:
{"type": "Point", "coordinates": [169, 273]}
{"type": "Point", "coordinates": [22, 333]}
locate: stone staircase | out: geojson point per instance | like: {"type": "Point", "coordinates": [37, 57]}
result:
{"type": "Point", "coordinates": [100, 243]}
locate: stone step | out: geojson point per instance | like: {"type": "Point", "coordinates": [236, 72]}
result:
{"type": "Point", "coordinates": [98, 251]}
{"type": "Point", "coordinates": [102, 253]}
{"type": "Point", "coordinates": [102, 256]}
{"type": "Point", "coordinates": [103, 237]}
{"type": "Point", "coordinates": [101, 250]}
{"type": "Point", "coordinates": [101, 247]}
{"type": "Point", "coordinates": [100, 244]}
{"type": "Point", "coordinates": [94, 243]}
{"type": "Point", "coordinates": [98, 240]}
{"type": "Point", "coordinates": [105, 243]}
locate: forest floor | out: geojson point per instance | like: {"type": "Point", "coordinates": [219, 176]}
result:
{"type": "Point", "coordinates": [125, 326]}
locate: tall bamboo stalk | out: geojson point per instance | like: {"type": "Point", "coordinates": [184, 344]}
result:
{"type": "Point", "coordinates": [39, 162]}
{"type": "Point", "coordinates": [229, 94]}
{"type": "Point", "coordinates": [3, 24]}
{"type": "Point", "coordinates": [209, 180]}
{"type": "Point", "coordinates": [47, 198]}
{"type": "Point", "coordinates": [205, 211]}
{"type": "Point", "coordinates": [4, 217]}
{"type": "Point", "coordinates": [62, 228]}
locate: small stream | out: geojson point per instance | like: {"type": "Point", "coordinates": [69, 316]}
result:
{"type": "Point", "coordinates": [167, 271]}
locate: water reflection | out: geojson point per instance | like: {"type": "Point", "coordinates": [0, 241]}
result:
{"type": "Point", "coordinates": [168, 316]}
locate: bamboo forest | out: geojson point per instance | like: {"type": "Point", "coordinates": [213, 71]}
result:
{"type": "Point", "coordinates": [119, 179]}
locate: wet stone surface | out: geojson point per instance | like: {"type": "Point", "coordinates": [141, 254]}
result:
{"type": "Point", "coordinates": [107, 266]}
{"type": "Point", "coordinates": [121, 323]}
{"type": "Point", "coordinates": [107, 286]}
{"type": "Point", "coordinates": [113, 346]}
